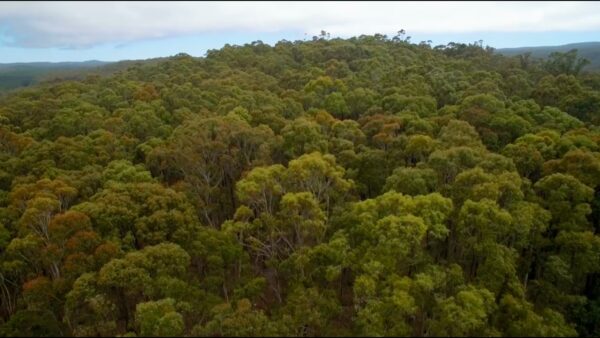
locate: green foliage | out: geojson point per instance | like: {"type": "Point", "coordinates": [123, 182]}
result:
{"type": "Point", "coordinates": [336, 187]}
{"type": "Point", "coordinates": [412, 181]}
{"type": "Point", "coordinates": [159, 319]}
{"type": "Point", "coordinates": [565, 63]}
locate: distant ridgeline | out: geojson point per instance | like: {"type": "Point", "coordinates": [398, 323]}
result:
{"type": "Point", "coordinates": [17, 75]}
{"type": "Point", "coordinates": [587, 50]}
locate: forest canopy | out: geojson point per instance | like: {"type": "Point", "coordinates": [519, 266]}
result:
{"type": "Point", "coordinates": [363, 186]}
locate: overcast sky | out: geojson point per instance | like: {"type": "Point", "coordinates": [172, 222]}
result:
{"type": "Point", "coordinates": [72, 31]}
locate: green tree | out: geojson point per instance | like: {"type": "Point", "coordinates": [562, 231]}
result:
{"type": "Point", "coordinates": [159, 319]}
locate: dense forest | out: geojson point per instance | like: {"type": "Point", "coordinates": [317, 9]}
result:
{"type": "Point", "coordinates": [587, 50]}
{"type": "Point", "coordinates": [363, 186]}
{"type": "Point", "coordinates": [16, 75]}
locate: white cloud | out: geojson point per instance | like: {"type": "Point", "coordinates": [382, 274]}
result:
{"type": "Point", "coordinates": [78, 25]}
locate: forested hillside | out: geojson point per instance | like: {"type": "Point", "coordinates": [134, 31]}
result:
{"type": "Point", "coordinates": [16, 75]}
{"type": "Point", "coordinates": [588, 50]}
{"type": "Point", "coordinates": [367, 186]}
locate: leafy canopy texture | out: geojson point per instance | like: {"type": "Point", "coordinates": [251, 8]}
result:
{"type": "Point", "coordinates": [360, 187]}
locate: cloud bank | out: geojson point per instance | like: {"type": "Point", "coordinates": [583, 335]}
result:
{"type": "Point", "coordinates": [82, 25]}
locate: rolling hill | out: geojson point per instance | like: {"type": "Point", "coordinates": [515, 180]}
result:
{"type": "Point", "coordinates": [15, 75]}
{"type": "Point", "coordinates": [19, 75]}
{"type": "Point", "coordinates": [588, 50]}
